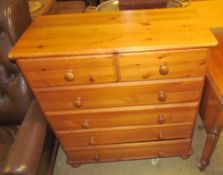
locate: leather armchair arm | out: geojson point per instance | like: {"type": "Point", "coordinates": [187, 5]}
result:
{"type": "Point", "coordinates": [25, 153]}
{"type": "Point", "coordinates": [14, 18]}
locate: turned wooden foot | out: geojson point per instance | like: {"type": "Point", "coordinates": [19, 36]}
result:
{"type": "Point", "coordinates": [209, 148]}
{"type": "Point", "coordinates": [202, 165]}
{"type": "Point", "coordinates": [76, 165]}
{"type": "Point", "coordinates": [186, 156]}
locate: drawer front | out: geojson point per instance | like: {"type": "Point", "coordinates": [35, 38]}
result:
{"type": "Point", "coordinates": [162, 65]}
{"type": "Point", "coordinates": [105, 136]}
{"type": "Point", "coordinates": [119, 152]}
{"type": "Point", "coordinates": [119, 94]}
{"type": "Point", "coordinates": [48, 72]}
{"type": "Point", "coordinates": [125, 116]}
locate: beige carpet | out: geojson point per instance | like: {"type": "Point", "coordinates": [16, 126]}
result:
{"type": "Point", "coordinates": [165, 166]}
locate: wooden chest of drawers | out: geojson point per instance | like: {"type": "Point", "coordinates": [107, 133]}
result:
{"type": "Point", "coordinates": [118, 86]}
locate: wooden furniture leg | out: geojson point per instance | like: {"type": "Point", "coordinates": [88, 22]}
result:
{"type": "Point", "coordinates": [210, 144]}
{"type": "Point", "coordinates": [211, 109]}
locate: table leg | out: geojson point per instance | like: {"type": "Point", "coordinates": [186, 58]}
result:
{"type": "Point", "coordinates": [211, 141]}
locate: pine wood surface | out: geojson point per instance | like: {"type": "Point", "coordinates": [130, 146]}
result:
{"type": "Point", "coordinates": [47, 72]}
{"type": "Point", "coordinates": [211, 111]}
{"type": "Point", "coordinates": [115, 32]}
{"type": "Point", "coordinates": [209, 106]}
{"type": "Point", "coordinates": [125, 116]}
{"type": "Point", "coordinates": [120, 94]}
{"type": "Point", "coordinates": [117, 152]}
{"type": "Point", "coordinates": [210, 11]}
{"type": "Point", "coordinates": [148, 63]}
{"type": "Point", "coordinates": [215, 65]}
{"type": "Point", "coordinates": [105, 136]}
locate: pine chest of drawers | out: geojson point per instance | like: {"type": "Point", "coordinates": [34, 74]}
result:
{"type": "Point", "coordinates": [118, 86]}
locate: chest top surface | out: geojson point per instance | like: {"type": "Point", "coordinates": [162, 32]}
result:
{"type": "Point", "coordinates": [102, 33]}
{"type": "Point", "coordinates": [210, 11]}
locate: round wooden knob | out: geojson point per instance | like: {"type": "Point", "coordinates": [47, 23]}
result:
{"type": "Point", "coordinates": [85, 125]}
{"type": "Point", "coordinates": [161, 119]}
{"type": "Point", "coordinates": [69, 76]}
{"type": "Point", "coordinates": [162, 96]}
{"type": "Point", "coordinates": [164, 70]}
{"type": "Point", "coordinates": [97, 157]}
{"type": "Point", "coordinates": [91, 141]}
{"type": "Point", "coordinates": [160, 136]}
{"type": "Point", "coordinates": [78, 102]}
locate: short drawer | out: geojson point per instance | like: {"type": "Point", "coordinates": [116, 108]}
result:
{"type": "Point", "coordinates": [162, 65]}
{"type": "Point", "coordinates": [129, 151]}
{"type": "Point", "coordinates": [119, 94]}
{"type": "Point", "coordinates": [125, 116]}
{"type": "Point", "coordinates": [46, 72]}
{"type": "Point", "coordinates": [92, 137]}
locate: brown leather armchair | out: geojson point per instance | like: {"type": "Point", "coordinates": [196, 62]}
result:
{"type": "Point", "coordinates": [27, 145]}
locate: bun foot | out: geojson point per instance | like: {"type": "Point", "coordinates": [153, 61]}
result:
{"type": "Point", "coordinates": [76, 165]}
{"type": "Point", "coordinates": [186, 156]}
{"type": "Point", "coordinates": [202, 165]}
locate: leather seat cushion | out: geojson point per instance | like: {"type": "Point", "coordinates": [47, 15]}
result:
{"type": "Point", "coordinates": [15, 96]}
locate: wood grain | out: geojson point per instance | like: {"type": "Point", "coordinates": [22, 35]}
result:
{"type": "Point", "coordinates": [117, 152]}
{"type": "Point", "coordinates": [119, 94]}
{"type": "Point", "coordinates": [112, 85]}
{"type": "Point", "coordinates": [147, 65]}
{"type": "Point", "coordinates": [210, 105]}
{"type": "Point", "coordinates": [104, 136]}
{"type": "Point", "coordinates": [47, 72]}
{"type": "Point", "coordinates": [125, 116]}
{"type": "Point", "coordinates": [211, 111]}
{"type": "Point", "coordinates": [210, 11]}
{"type": "Point", "coordinates": [115, 32]}
{"type": "Point", "coordinates": [215, 64]}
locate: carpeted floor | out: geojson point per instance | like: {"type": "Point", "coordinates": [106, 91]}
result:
{"type": "Point", "coordinates": [165, 166]}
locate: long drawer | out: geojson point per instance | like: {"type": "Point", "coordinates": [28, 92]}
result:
{"type": "Point", "coordinates": [105, 136]}
{"type": "Point", "coordinates": [119, 94]}
{"type": "Point", "coordinates": [125, 116]}
{"type": "Point", "coordinates": [162, 65]}
{"type": "Point", "coordinates": [119, 152]}
{"type": "Point", "coordinates": [64, 71]}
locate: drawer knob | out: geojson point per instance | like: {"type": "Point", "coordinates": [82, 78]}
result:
{"type": "Point", "coordinates": [78, 102]}
{"type": "Point", "coordinates": [85, 125]}
{"type": "Point", "coordinates": [69, 76]}
{"type": "Point", "coordinates": [91, 141]}
{"type": "Point", "coordinates": [162, 96]}
{"type": "Point", "coordinates": [160, 136]}
{"type": "Point", "coordinates": [161, 119]}
{"type": "Point", "coordinates": [164, 70]}
{"type": "Point", "coordinates": [97, 157]}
